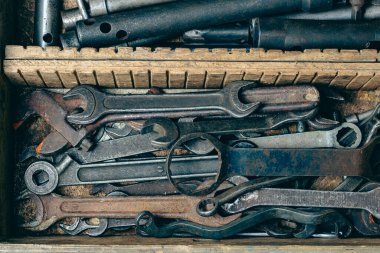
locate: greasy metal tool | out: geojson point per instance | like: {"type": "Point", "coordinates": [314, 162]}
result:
{"type": "Point", "coordinates": [357, 12]}
{"type": "Point", "coordinates": [226, 126]}
{"type": "Point", "coordinates": [52, 208]}
{"type": "Point", "coordinates": [312, 139]}
{"type": "Point", "coordinates": [280, 99]}
{"type": "Point", "coordinates": [365, 222]}
{"type": "Point", "coordinates": [146, 223]}
{"type": "Point", "coordinates": [80, 225]}
{"type": "Point", "coordinates": [282, 162]}
{"type": "Point", "coordinates": [272, 33]}
{"type": "Point", "coordinates": [173, 19]}
{"type": "Point", "coordinates": [97, 104]}
{"type": "Point", "coordinates": [368, 201]}
{"type": "Point", "coordinates": [70, 173]}
{"type": "Point", "coordinates": [103, 7]}
{"type": "Point", "coordinates": [47, 24]}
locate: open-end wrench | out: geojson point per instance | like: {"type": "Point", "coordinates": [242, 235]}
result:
{"type": "Point", "coordinates": [147, 223]}
{"type": "Point", "coordinates": [312, 139]}
{"type": "Point", "coordinates": [43, 104]}
{"type": "Point", "coordinates": [227, 101]}
{"type": "Point", "coordinates": [51, 208]}
{"type": "Point", "coordinates": [81, 225]}
{"type": "Point", "coordinates": [225, 126]}
{"type": "Point", "coordinates": [70, 173]}
{"type": "Point", "coordinates": [282, 162]}
{"type": "Point", "coordinates": [368, 201]}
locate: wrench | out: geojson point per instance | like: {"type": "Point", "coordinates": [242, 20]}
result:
{"type": "Point", "coordinates": [97, 104]}
{"type": "Point", "coordinates": [69, 173]}
{"type": "Point", "coordinates": [307, 198]}
{"type": "Point", "coordinates": [281, 162]}
{"type": "Point", "coordinates": [51, 208]}
{"type": "Point", "coordinates": [227, 101]}
{"type": "Point", "coordinates": [313, 139]}
{"type": "Point", "coordinates": [225, 126]}
{"type": "Point", "coordinates": [146, 223]}
{"type": "Point", "coordinates": [81, 225]}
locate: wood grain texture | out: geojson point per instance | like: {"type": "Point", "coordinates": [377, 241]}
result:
{"type": "Point", "coordinates": [193, 69]}
{"type": "Point", "coordinates": [139, 244]}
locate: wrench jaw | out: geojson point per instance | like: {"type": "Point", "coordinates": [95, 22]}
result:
{"type": "Point", "coordinates": [88, 97]}
{"type": "Point", "coordinates": [80, 225]}
{"type": "Point", "coordinates": [165, 127]}
{"type": "Point", "coordinates": [233, 103]}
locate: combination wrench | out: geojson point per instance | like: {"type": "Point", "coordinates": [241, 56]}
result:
{"type": "Point", "coordinates": [51, 208]}
{"type": "Point", "coordinates": [227, 101]}
{"type": "Point", "coordinates": [312, 139]}
{"type": "Point", "coordinates": [282, 162]}
{"type": "Point", "coordinates": [368, 201]}
{"type": "Point", "coordinates": [70, 173]}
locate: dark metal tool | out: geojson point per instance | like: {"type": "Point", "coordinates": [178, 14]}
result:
{"type": "Point", "coordinates": [227, 101]}
{"type": "Point", "coordinates": [147, 223]}
{"type": "Point", "coordinates": [104, 7]}
{"type": "Point", "coordinates": [307, 198]}
{"type": "Point", "coordinates": [283, 162]}
{"type": "Point", "coordinates": [255, 123]}
{"type": "Point", "coordinates": [45, 106]}
{"type": "Point", "coordinates": [51, 208]}
{"type": "Point", "coordinates": [176, 18]}
{"type": "Point", "coordinates": [302, 34]}
{"type": "Point", "coordinates": [365, 222]}
{"type": "Point", "coordinates": [69, 173]}
{"type": "Point", "coordinates": [311, 139]}
{"type": "Point", "coordinates": [47, 25]}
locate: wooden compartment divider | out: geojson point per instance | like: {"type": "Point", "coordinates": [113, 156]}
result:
{"type": "Point", "coordinates": [123, 67]}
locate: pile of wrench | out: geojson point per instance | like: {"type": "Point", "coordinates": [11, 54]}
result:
{"type": "Point", "coordinates": [212, 164]}
{"type": "Point", "coordinates": [270, 24]}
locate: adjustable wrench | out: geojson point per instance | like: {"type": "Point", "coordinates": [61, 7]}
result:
{"type": "Point", "coordinates": [312, 139]}
{"type": "Point", "coordinates": [70, 173]}
{"type": "Point", "coordinates": [51, 208]}
{"type": "Point", "coordinates": [368, 201]}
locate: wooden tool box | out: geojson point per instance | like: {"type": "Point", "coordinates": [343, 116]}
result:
{"type": "Point", "coordinates": [134, 68]}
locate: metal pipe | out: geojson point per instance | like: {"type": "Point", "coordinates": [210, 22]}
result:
{"type": "Point", "coordinates": [103, 7]}
{"type": "Point", "coordinates": [284, 34]}
{"type": "Point", "coordinates": [47, 25]}
{"type": "Point", "coordinates": [178, 17]}
{"type": "Point", "coordinates": [238, 34]}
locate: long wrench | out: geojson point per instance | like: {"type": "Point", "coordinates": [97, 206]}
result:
{"type": "Point", "coordinates": [307, 198]}
{"type": "Point", "coordinates": [282, 162]}
{"type": "Point", "coordinates": [51, 208]}
{"type": "Point", "coordinates": [146, 223]}
{"type": "Point", "coordinates": [227, 101]}
{"type": "Point", "coordinates": [71, 173]}
{"type": "Point", "coordinates": [312, 139]}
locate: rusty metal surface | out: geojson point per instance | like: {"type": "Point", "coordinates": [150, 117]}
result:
{"type": "Point", "coordinates": [52, 208]}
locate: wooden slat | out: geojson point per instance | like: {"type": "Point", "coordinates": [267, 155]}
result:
{"type": "Point", "coordinates": [200, 54]}
{"type": "Point", "coordinates": [189, 74]}
{"type": "Point", "coordinates": [373, 83]}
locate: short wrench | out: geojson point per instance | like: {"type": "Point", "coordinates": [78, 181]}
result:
{"type": "Point", "coordinates": [51, 208]}
{"type": "Point", "coordinates": [307, 198]}
{"type": "Point", "coordinates": [312, 139]}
